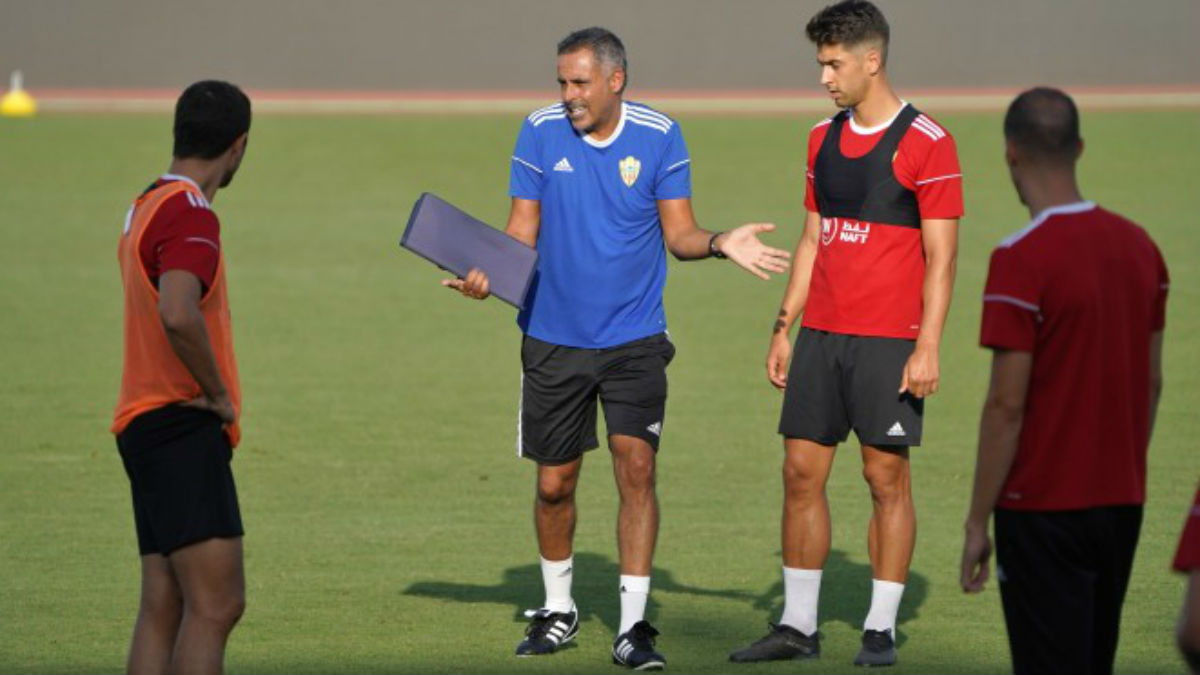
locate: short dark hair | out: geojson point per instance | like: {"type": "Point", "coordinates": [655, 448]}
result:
{"type": "Point", "coordinates": [1044, 122]}
{"type": "Point", "coordinates": [605, 45]}
{"type": "Point", "coordinates": [850, 23]}
{"type": "Point", "coordinates": [209, 116]}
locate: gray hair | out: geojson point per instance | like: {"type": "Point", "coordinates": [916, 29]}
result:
{"type": "Point", "coordinates": [605, 45]}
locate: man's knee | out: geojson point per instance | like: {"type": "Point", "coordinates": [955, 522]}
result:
{"type": "Point", "coordinates": [633, 460]}
{"type": "Point", "coordinates": [802, 482]}
{"type": "Point", "coordinates": [556, 485]}
{"type": "Point", "coordinates": [162, 606]}
{"type": "Point", "coordinates": [635, 470]}
{"type": "Point", "coordinates": [231, 612]}
{"type": "Point", "coordinates": [223, 609]}
{"type": "Point", "coordinates": [888, 481]}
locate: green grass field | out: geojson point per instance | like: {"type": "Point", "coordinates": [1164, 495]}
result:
{"type": "Point", "coordinates": [386, 513]}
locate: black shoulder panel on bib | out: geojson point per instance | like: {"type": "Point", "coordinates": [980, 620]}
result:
{"type": "Point", "coordinates": [865, 188]}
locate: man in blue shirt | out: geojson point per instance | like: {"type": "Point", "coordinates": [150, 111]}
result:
{"type": "Point", "coordinates": [598, 185]}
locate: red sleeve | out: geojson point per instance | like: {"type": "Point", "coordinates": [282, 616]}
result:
{"type": "Point", "coordinates": [1159, 318]}
{"type": "Point", "coordinates": [183, 235]}
{"type": "Point", "coordinates": [1187, 556]}
{"type": "Point", "coordinates": [815, 138]}
{"type": "Point", "coordinates": [192, 243]}
{"type": "Point", "coordinates": [927, 163]}
{"type": "Point", "coordinates": [1011, 303]}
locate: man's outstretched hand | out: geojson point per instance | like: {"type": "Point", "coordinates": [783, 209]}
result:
{"type": "Point", "coordinates": [741, 245]}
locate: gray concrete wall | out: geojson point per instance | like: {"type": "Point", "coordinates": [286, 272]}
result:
{"type": "Point", "coordinates": [450, 45]}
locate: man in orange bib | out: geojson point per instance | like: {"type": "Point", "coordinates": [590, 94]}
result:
{"type": "Point", "coordinates": [176, 419]}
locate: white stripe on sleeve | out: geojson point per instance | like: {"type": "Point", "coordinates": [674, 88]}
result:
{"type": "Point", "coordinates": [937, 178]}
{"type": "Point", "coordinates": [527, 164]}
{"type": "Point", "coordinates": [996, 297]}
{"type": "Point", "coordinates": [202, 240]}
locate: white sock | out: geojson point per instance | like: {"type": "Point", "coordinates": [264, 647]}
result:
{"type": "Point", "coordinates": [885, 603]}
{"type": "Point", "coordinates": [801, 589]}
{"type": "Point", "coordinates": [556, 576]}
{"type": "Point", "coordinates": [634, 593]}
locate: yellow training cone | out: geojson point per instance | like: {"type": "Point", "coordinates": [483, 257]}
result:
{"type": "Point", "coordinates": [17, 102]}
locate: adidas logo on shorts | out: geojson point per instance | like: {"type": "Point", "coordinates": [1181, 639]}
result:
{"type": "Point", "coordinates": [896, 430]}
{"type": "Point", "coordinates": [655, 428]}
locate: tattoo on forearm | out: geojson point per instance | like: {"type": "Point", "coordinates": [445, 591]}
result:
{"type": "Point", "coordinates": [780, 324]}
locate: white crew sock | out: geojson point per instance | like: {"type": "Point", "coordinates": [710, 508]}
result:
{"type": "Point", "coordinates": [801, 590]}
{"type": "Point", "coordinates": [556, 576]}
{"type": "Point", "coordinates": [634, 593]}
{"type": "Point", "coordinates": [885, 603]}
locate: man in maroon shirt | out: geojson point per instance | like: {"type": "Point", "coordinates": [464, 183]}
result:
{"type": "Point", "coordinates": [1074, 311]}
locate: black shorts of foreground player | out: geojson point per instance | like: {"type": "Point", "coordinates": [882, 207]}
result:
{"type": "Point", "coordinates": [560, 387]}
{"type": "Point", "coordinates": [871, 285]}
{"type": "Point", "coordinates": [602, 187]}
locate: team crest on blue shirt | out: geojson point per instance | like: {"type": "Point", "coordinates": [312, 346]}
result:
{"type": "Point", "coordinates": [630, 167]}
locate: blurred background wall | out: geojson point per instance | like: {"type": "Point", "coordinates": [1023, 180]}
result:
{"type": "Point", "coordinates": [505, 45]}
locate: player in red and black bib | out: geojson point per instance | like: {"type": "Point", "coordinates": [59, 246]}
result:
{"type": "Point", "coordinates": [871, 284]}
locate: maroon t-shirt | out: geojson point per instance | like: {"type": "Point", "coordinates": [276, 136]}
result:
{"type": "Point", "coordinates": [1187, 556]}
{"type": "Point", "coordinates": [184, 235]}
{"type": "Point", "coordinates": [1082, 289]}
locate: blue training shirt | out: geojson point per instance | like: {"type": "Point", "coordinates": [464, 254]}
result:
{"type": "Point", "coordinates": [601, 259]}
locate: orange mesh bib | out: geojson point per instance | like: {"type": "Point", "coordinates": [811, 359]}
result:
{"type": "Point", "coordinates": [153, 376]}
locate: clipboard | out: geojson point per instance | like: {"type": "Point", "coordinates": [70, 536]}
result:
{"type": "Point", "coordinates": [453, 240]}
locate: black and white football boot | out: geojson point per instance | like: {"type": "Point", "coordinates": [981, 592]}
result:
{"type": "Point", "coordinates": [635, 648]}
{"type": "Point", "coordinates": [547, 631]}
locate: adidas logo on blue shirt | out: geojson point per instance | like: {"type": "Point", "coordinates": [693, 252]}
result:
{"type": "Point", "coordinates": [563, 165]}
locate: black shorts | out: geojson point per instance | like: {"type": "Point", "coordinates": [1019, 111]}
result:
{"type": "Point", "coordinates": [560, 387]}
{"type": "Point", "coordinates": [1063, 576]}
{"type": "Point", "coordinates": [841, 382]}
{"type": "Point", "coordinates": [177, 460]}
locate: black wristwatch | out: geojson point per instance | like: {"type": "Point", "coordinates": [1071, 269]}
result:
{"type": "Point", "coordinates": [712, 247]}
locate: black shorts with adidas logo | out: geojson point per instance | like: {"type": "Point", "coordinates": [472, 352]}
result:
{"type": "Point", "coordinates": [560, 388]}
{"type": "Point", "coordinates": [841, 382]}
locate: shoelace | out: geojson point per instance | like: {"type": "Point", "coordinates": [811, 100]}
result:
{"type": "Point", "coordinates": [643, 637]}
{"type": "Point", "coordinates": [542, 621]}
{"type": "Point", "coordinates": [775, 630]}
{"type": "Point", "coordinates": [780, 629]}
{"type": "Point", "coordinates": [877, 640]}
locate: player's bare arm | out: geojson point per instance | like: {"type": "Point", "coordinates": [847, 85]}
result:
{"type": "Point", "coordinates": [939, 239]}
{"type": "Point", "coordinates": [179, 293]}
{"type": "Point", "coordinates": [687, 241]}
{"type": "Point", "coordinates": [524, 218]}
{"type": "Point", "coordinates": [1156, 377]}
{"type": "Point", "coordinates": [1187, 630]}
{"type": "Point", "coordinates": [794, 299]}
{"type": "Point", "coordinates": [999, 434]}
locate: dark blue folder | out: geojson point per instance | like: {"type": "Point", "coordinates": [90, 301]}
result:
{"type": "Point", "coordinates": [453, 240]}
